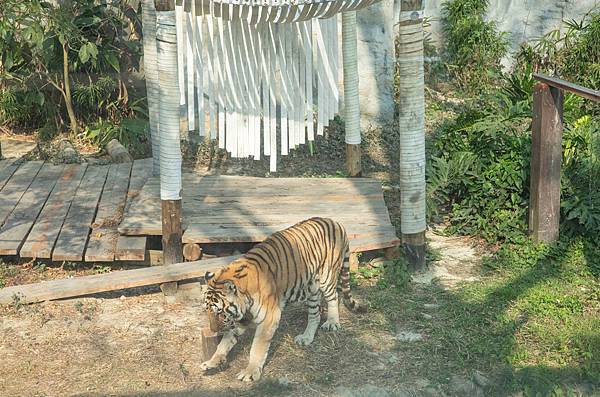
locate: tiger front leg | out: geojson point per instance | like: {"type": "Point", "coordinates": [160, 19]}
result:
{"type": "Point", "coordinates": [260, 347]}
{"type": "Point", "coordinates": [333, 313]}
{"type": "Point", "coordinates": [314, 318]}
{"type": "Point", "coordinates": [227, 343]}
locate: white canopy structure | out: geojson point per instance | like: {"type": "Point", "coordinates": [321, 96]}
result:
{"type": "Point", "coordinates": [260, 77]}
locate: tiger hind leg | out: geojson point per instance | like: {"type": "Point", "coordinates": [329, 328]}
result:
{"type": "Point", "coordinates": [314, 319]}
{"type": "Point", "coordinates": [333, 314]}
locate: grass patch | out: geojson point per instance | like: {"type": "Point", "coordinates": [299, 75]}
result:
{"type": "Point", "coordinates": [531, 323]}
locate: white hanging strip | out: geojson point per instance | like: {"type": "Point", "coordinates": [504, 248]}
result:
{"type": "Point", "coordinates": [254, 86]}
{"type": "Point", "coordinates": [309, 79]}
{"type": "Point", "coordinates": [284, 104]}
{"type": "Point", "coordinates": [180, 28]}
{"type": "Point", "coordinates": [267, 83]}
{"type": "Point", "coordinates": [318, 39]}
{"type": "Point", "coordinates": [336, 64]}
{"type": "Point", "coordinates": [273, 100]}
{"type": "Point", "coordinates": [293, 56]}
{"type": "Point", "coordinates": [301, 60]}
{"type": "Point", "coordinates": [200, 69]}
{"type": "Point", "coordinates": [213, 92]}
{"type": "Point", "coordinates": [190, 67]}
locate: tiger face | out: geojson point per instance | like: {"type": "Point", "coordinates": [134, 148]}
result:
{"type": "Point", "coordinates": [223, 304]}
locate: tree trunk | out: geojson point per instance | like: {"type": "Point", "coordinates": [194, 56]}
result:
{"type": "Point", "coordinates": [412, 132]}
{"type": "Point", "coordinates": [67, 91]}
{"type": "Point", "coordinates": [351, 97]}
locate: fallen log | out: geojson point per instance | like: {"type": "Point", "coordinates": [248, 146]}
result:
{"type": "Point", "coordinates": [118, 280]}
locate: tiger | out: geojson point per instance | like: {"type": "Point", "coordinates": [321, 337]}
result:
{"type": "Point", "coordinates": [299, 264]}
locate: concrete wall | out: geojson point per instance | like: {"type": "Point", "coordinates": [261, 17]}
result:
{"type": "Point", "coordinates": [522, 19]}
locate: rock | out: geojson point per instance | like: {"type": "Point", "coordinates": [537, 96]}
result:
{"type": "Point", "coordinates": [431, 306]}
{"type": "Point", "coordinates": [363, 391]}
{"type": "Point", "coordinates": [465, 387]}
{"type": "Point", "coordinates": [117, 152]}
{"type": "Point", "coordinates": [284, 382]}
{"type": "Point", "coordinates": [409, 336]}
{"type": "Point", "coordinates": [426, 316]}
{"type": "Point", "coordinates": [480, 379]}
{"type": "Point", "coordinates": [67, 153]}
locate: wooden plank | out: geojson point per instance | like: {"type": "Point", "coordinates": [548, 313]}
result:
{"type": "Point", "coordinates": [14, 189]}
{"type": "Point", "coordinates": [18, 224]}
{"type": "Point", "coordinates": [375, 242]}
{"type": "Point", "coordinates": [67, 288]}
{"type": "Point", "coordinates": [7, 168]}
{"type": "Point", "coordinates": [43, 235]}
{"type": "Point", "coordinates": [546, 155]}
{"type": "Point", "coordinates": [133, 248]}
{"type": "Point", "coordinates": [103, 239]}
{"type": "Point", "coordinates": [202, 234]}
{"type": "Point", "coordinates": [147, 223]}
{"type": "Point", "coordinates": [74, 233]}
{"type": "Point", "coordinates": [585, 92]}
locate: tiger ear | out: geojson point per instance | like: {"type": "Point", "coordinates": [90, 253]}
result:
{"type": "Point", "coordinates": [230, 287]}
{"type": "Point", "coordinates": [209, 275]}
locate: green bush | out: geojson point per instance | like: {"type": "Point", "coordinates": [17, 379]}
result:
{"type": "Point", "coordinates": [474, 47]}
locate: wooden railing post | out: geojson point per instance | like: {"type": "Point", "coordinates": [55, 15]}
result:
{"type": "Point", "coordinates": [546, 155]}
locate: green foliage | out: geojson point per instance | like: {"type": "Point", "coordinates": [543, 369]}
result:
{"type": "Point", "coordinates": [81, 45]}
{"type": "Point", "coordinates": [479, 168]}
{"type": "Point", "coordinates": [474, 47]}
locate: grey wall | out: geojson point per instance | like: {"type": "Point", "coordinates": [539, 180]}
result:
{"type": "Point", "coordinates": [523, 20]}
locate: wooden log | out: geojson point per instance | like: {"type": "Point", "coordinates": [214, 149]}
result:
{"type": "Point", "coordinates": [353, 163]}
{"type": "Point", "coordinates": [117, 152]}
{"type": "Point", "coordinates": [210, 341]}
{"type": "Point", "coordinates": [546, 155]}
{"type": "Point", "coordinates": [391, 253]}
{"type": "Point", "coordinates": [414, 249]}
{"type": "Point", "coordinates": [79, 286]}
{"type": "Point", "coordinates": [192, 252]}
{"type": "Point", "coordinates": [171, 238]}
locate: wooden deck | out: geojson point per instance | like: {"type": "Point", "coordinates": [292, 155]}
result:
{"type": "Point", "coordinates": [224, 209]}
{"type": "Point", "coordinates": [104, 213]}
{"type": "Point", "coordinates": [68, 212]}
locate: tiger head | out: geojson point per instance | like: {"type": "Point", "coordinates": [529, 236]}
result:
{"type": "Point", "coordinates": [226, 300]}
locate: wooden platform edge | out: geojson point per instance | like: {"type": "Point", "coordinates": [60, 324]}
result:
{"type": "Point", "coordinates": [86, 285]}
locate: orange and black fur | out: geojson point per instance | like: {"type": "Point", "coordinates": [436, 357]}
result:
{"type": "Point", "coordinates": [301, 263]}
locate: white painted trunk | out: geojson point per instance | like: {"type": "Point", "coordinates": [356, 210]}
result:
{"type": "Point", "coordinates": [169, 95]}
{"type": "Point", "coordinates": [412, 122]}
{"type": "Point", "coordinates": [151, 72]}
{"type": "Point", "coordinates": [351, 98]}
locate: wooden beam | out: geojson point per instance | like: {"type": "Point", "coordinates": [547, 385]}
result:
{"type": "Point", "coordinates": [79, 286]}
{"type": "Point", "coordinates": [192, 252]}
{"type": "Point", "coordinates": [585, 92]}
{"type": "Point", "coordinates": [546, 155]}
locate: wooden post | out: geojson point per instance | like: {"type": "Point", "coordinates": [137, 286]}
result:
{"type": "Point", "coordinates": [546, 155]}
{"type": "Point", "coordinates": [353, 262]}
{"type": "Point", "coordinates": [412, 131]}
{"type": "Point", "coordinates": [353, 163]}
{"type": "Point", "coordinates": [171, 239]}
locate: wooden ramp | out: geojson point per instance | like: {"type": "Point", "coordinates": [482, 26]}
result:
{"type": "Point", "coordinates": [68, 212]}
{"type": "Point", "coordinates": [232, 209]}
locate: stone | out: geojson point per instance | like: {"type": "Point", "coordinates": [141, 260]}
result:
{"type": "Point", "coordinates": [67, 153]}
{"type": "Point", "coordinates": [431, 306]}
{"type": "Point", "coordinates": [408, 336]}
{"type": "Point", "coordinates": [284, 382]}
{"type": "Point", "coordinates": [480, 379]}
{"type": "Point", "coordinates": [465, 387]}
{"type": "Point", "coordinates": [363, 391]}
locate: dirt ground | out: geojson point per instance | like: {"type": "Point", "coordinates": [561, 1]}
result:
{"type": "Point", "coordinates": [135, 343]}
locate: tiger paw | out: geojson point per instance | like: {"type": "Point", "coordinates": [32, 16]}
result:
{"type": "Point", "coordinates": [303, 340]}
{"type": "Point", "coordinates": [331, 326]}
{"type": "Point", "coordinates": [249, 374]}
{"type": "Point", "coordinates": [211, 364]}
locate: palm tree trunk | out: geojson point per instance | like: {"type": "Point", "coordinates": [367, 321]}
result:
{"type": "Point", "coordinates": [412, 132]}
{"type": "Point", "coordinates": [351, 97]}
